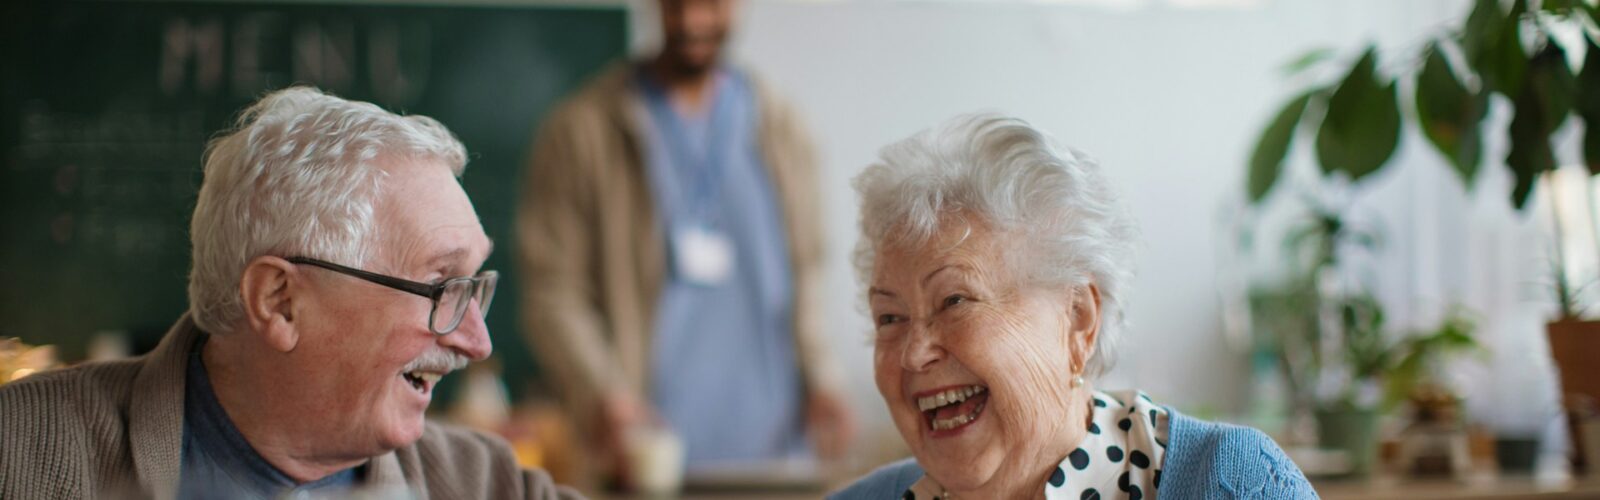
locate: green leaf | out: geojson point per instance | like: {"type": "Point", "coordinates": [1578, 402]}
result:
{"type": "Point", "coordinates": [1450, 115]}
{"type": "Point", "coordinates": [1587, 105]}
{"type": "Point", "coordinates": [1482, 28]}
{"type": "Point", "coordinates": [1307, 60]}
{"type": "Point", "coordinates": [1545, 99]}
{"type": "Point", "coordinates": [1530, 153]}
{"type": "Point", "coordinates": [1362, 126]}
{"type": "Point", "coordinates": [1560, 6]}
{"type": "Point", "coordinates": [1550, 80]}
{"type": "Point", "coordinates": [1493, 45]}
{"type": "Point", "coordinates": [1266, 163]}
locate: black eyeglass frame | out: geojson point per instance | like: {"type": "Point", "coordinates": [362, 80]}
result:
{"type": "Point", "coordinates": [431, 291]}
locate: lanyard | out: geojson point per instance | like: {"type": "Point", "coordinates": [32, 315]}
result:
{"type": "Point", "coordinates": [704, 171]}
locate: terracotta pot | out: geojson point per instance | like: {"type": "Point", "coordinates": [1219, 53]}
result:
{"type": "Point", "coordinates": [1575, 345]}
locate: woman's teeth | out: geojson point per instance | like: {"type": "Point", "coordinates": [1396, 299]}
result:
{"type": "Point", "coordinates": [940, 424]}
{"type": "Point", "coordinates": [948, 397]}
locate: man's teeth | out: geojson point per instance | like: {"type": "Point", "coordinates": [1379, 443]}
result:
{"type": "Point", "coordinates": [948, 397]}
{"type": "Point", "coordinates": [428, 377]}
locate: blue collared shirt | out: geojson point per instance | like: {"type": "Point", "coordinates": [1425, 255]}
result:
{"type": "Point", "coordinates": [219, 463]}
{"type": "Point", "coordinates": [724, 372]}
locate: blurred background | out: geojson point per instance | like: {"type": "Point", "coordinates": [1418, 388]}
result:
{"type": "Point", "coordinates": [1343, 244]}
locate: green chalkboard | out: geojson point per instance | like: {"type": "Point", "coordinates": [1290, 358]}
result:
{"type": "Point", "coordinates": [105, 109]}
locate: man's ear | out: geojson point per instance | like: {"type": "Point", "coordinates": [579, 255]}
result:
{"type": "Point", "coordinates": [268, 290]}
{"type": "Point", "coordinates": [1083, 312]}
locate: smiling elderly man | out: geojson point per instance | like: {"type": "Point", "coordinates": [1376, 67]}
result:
{"type": "Point", "coordinates": [336, 279]}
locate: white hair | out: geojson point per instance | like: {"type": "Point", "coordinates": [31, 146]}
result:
{"type": "Point", "coordinates": [298, 176]}
{"type": "Point", "coordinates": [1051, 200]}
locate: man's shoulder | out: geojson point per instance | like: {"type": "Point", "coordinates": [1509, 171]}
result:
{"type": "Point", "coordinates": [438, 437]}
{"type": "Point", "coordinates": [592, 101]}
{"type": "Point", "coordinates": [69, 427]}
{"type": "Point", "coordinates": [467, 463]}
{"type": "Point", "coordinates": [47, 393]}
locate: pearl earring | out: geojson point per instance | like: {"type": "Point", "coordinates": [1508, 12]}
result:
{"type": "Point", "coordinates": [1077, 381]}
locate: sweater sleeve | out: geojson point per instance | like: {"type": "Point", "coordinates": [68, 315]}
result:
{"type": "Point", "coordinates": [1209, 460]}
{"type": "Point", "coordinates": [887, 483]}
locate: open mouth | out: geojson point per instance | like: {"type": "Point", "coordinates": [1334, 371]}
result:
{"type": "Point", "coordinates": [953, 408]}
{"type": "Point", "coordinates": [422, 381]}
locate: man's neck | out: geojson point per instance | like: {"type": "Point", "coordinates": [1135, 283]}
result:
{"type": "Point", "coordinates": [689, 89]}
{"type": "Point", "coordinates": [257, 407]}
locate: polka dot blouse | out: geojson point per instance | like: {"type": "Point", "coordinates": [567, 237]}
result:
{"type": "Point", "coordinates": [1120, 457]}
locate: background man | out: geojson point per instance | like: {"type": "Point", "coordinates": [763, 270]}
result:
{"type": "Point", "coordinates": [671, 246]}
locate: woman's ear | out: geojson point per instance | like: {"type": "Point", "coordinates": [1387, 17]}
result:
{"type": "Point", "coordinates": [1083, 328]}
{"type": "Point", "coordinates": [267, 290]}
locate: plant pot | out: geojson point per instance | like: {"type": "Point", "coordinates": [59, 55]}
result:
{"type": "Point", "coordinates": [1516, 454]}
{"type": "Point", "coordinates": [1575, 345]}
{"type": "Point", "coordinates": [1353, 431]}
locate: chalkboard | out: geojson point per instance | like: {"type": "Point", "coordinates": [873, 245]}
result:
{"type": "Point", "coordinates": [105, 109]}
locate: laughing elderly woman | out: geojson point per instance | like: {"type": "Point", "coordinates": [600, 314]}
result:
{"type": "Point", "coordinates": [997, 265]}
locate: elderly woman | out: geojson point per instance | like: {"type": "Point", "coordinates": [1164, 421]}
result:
{"type": "Point", "coordinates": [997, 265]}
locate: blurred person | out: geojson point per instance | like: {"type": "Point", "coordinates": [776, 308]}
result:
{"type": "Point", "coordinates": [291, 373]}
{"type": "Point", "coordinates": [997, 265]}
{"type": "Point", "coordinates": [670, 250]}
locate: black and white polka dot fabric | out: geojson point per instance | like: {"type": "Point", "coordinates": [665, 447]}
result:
{"type": "Point", "coordinates": [1119, 458]}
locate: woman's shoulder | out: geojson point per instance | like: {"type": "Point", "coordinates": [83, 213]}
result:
{"type": "Point", "coordinates": [1208, 458]}
{"type": "Point", "coordinates": [888, 482]}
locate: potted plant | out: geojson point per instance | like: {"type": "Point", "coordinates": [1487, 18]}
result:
{"type": "Point", "coordinates": [1503, 52]}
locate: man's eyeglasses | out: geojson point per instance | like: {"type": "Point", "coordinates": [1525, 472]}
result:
{"type": "Point", "coordinates": [450, 297]}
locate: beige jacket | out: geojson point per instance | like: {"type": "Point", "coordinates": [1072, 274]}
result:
{"type": "Point", "coordinates": [591, 251]}
{"type": "Point", "coordinates": [116, 430]}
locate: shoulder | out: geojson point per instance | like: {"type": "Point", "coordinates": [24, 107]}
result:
{"type": "Point", "coordinates": [464, 463]}
{"type": "Point", "coordinates": [43, 397]}
{"type": "Point", "coordinates": [888, 482]}
{"type": "Point", "coordinates": [776, 109]}
{"type": "Point", "coordinates": [61, 421]}
{"type": "Point", "coordinates": [590, 104]}
{"type": "Point", "coordinates": [460, 448]}
{"type": "Point", "coordinates": [1210, 459]}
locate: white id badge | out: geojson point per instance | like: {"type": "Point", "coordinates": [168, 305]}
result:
{"type": "Point", "coordinates": [704, 256]}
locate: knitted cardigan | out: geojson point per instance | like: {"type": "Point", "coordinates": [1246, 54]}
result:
{"type": "Point", "coordinates": [115, 430]}
{"type": "Point", "coordinates": [1204, 461]}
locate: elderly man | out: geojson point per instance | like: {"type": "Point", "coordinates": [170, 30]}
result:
{"type": "Point", "coordinates": [335, 281]}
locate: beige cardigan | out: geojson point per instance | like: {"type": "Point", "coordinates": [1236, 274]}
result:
{"type": "Point", "coordinates": [115, 429]}
{"type": "Point", "coordinates": [591, 252]}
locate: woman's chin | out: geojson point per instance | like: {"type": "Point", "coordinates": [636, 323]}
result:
{"type": "Point", "coordinates": [960, 475]}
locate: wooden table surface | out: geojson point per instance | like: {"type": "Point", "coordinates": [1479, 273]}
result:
{"type": "Point", "coordinates": [1477, 487]}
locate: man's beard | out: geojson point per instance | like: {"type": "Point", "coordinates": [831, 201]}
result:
{"type": "Point", "coordinates": [683, 64]}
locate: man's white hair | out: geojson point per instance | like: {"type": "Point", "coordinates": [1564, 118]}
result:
{"type": "Point", "coordinates": [1060, 219]}
{"type": "Point", "coordinates": [298, 176]}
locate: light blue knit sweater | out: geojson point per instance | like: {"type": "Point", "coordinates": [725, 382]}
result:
{"type": "Point", "coordinates": [1204, 461]}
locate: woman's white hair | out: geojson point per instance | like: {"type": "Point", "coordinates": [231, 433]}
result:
{"type": "Point", "coordinates": [1051, 200]}
{"type": "Point", "coordinates": [298, 176]}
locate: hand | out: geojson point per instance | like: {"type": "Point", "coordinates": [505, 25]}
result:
{"type": "Point", "coordinates": [621, 413]}
{"type": "Point", "coordinates": [829, 423]}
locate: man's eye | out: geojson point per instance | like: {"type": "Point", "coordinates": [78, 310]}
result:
{"type": "Point", "coordinates": [888, 319]}
{"type": "Point", "coordinates": [953, 300]}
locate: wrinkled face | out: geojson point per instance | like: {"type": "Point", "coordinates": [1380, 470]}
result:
{"type": "Point", "coordinates": [694, 31]}
{"type": "Point", "coordinates": [975, 366]}
{"type": "Point", "coordinates": [371, 357]}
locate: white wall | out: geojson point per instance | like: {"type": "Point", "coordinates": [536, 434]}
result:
{"type": "Point", "coordinates": [1170, 96]}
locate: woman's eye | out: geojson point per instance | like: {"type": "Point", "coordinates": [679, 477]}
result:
{"type": "Point", "coordinates": [887, 319]}
{"type": "Point", "coordinates": [953, 300]}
